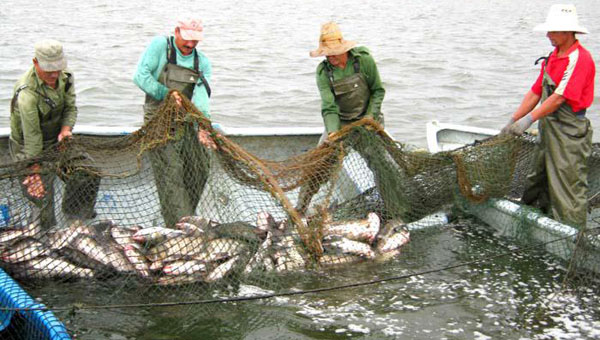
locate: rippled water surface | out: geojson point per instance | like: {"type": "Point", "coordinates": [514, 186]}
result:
{"type": "Point", "coordinates": [464, 62]}
{"type": "Point", "coordinates": [468, 62]}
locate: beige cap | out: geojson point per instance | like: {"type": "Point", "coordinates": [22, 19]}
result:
{"type": "Point", "coordinates": [49, 55]}
{"type": "Point", "coordinates": [191, 29]}
{"type": "Point", "coordinates": [331, 41]}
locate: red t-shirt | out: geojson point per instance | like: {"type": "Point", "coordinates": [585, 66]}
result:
{"type": "Point", "coordinates": [573, 74]}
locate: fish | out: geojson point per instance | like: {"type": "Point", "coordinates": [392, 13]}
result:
{"type": "Point", "coordinates": [107, 254]}
{"type": "Point", "coordinates": [184, 267]}
{"type": "Point", "coordinates": [124, 236]}
{"type": "Point", "coordinates": [176, 248]}
{"type": "Point", "coordinates": [9, 236]}
{"type": "Point", "coordinates": [61, 238]}
{"type": "Point", "coordinates": [50, 267]}
{"type": "Point", "coordinates": [24, 250]}
{"type": "Point", "coordinates": [137, 259]}
{"type": "Point", "coordinates": [390, 227]}
{"type": "Point", "coordinates": [265, 222]}
{"type": "Point", "coordinates": [287, 255]}
{"type": "Point", "coordinates": [262, 252]}
{"type": "Point", "coordinates": [357, 230]}
{"type": "Point", "coordinates": [190, 229]}
{"type": "Point", "coordinates": [239, 230]}
{"type": "Point", "coordinates": [199, 221]}
{"type": "Point", "coordinates": [393, 242]}
{"type": "Point", "coordinates": [222, 270]}
{"type": "Point", "coordinates": [155, 234]}
{"type": "Point", "coordinates": [220, 249]}
{"type": "Point", "coordinates": [339, 244]}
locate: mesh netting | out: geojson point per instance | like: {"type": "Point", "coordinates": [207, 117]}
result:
{"type": "Point", "coordinates": [182, 224]}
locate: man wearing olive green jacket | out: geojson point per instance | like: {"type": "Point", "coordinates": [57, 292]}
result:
{"type": "Point", "coordinates": [350, 89]}
{"type": "Point", "coordinates": [43, 112]}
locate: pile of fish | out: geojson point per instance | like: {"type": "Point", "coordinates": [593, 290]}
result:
{"type": "Point", "coordinates": [195, 250]}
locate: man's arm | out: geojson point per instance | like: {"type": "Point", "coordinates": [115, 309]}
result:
{"type": "Point", "coordinates": [527, 104]}
{"type": "Point", "coordinates": [374, 82]}
{"type": "Point", "coordinates": [329, 108]}
{"type": "Point", "coordinates": [149, 64]}
{"type": "Point", "coordinates": [70, 112]}
{"type": "Point", "coordinates": [30, 123]}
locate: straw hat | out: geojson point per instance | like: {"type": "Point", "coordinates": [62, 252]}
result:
{"type": "Point", "coordinates": [561, 18]}
{"type": "Point", "coordinates": [331, 41]}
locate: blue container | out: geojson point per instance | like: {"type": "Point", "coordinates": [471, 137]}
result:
{"type": "Point", "coordinates": [4, 216]}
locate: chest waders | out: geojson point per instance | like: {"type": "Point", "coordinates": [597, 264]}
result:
{"type": "Point", "coordinates": [181, 166]}
{"type": "Point", "coordinates": [81, 186]}
{"type": "Point", "coordinates": [558, 181]}
{"type": "Point", "coordinates": [352, 95]}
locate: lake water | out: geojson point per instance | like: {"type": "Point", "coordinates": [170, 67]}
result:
{"type": "Point", "coordinates": [466, 62]}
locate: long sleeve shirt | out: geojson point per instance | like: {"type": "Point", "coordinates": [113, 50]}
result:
{"type": "Point", "coordinates": [33, 117]}
{"type": "Point", "coordinates": [152, 63]}
{"type": "Point", "coordinates": [329, 108]}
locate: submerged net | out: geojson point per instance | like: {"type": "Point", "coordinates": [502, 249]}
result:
{"type": "Point", "coordinates": [183, 224]}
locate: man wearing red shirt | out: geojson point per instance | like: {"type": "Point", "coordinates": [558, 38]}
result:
{"type": "Point", "coordinates": [558, 182]}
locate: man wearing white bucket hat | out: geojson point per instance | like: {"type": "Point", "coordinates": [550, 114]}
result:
{"type": "Point", "coordinates": [565, 86]}
{"type": "Point", "coordinates": [350, 89]}
{"type": "Point", "coordinates": [174, 63]}
{"type": "Point", "coordinates": [42, 113]}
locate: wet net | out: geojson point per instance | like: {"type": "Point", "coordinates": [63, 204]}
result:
{"type": "Point", "coordinates": [163, 224]}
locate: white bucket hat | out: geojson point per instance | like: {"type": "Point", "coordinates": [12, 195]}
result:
{"type": "Point", "coordinates": [561, 18]}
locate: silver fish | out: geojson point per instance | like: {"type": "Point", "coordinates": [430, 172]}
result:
{"type": "Point", "coordinates": [339, 244]}
{"type": "Point", "coordinates": [261, 253]}
{"type": "Point", "coordinates": [265, 222]}
{"type": "Point", "coordinates": [184, 267]}
{"type": "Point", "coordinates": [24, 250]}
{"type": "Point", "coordinates": [137, 259]}
{"type": "Point", "coordinates": [176, 248]}
{"type": "Point", "coordinates": [107, 255]}
{"type": "Point", "coordinates": [123, 236]}
{"type": "Point", "coordinates": [49, 267]}
{"type": "Point", "coordinates": [222, 270]}
{"type": "Point", "coordinates": [393, 242]}
{"type": "Point", "coordinates": [219, 249]}
{"type": "Point", "coordinates": [190, 229]}
{"type": "Point", "coordinates": [155, 234]}
{"type": "Point", "coordinates": [60, 238]}
{"type": "Point", "coordinates": [358, 230]}
{"type": "Point", "coordinates": [11, 235]}
{"type": "Point", "coordinates": [287, 255]}
{"type": "Point", "coordinates": [199, 221]}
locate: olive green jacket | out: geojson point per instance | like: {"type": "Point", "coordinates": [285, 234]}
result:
{"type": "Point", "coordinates": [34, 124]}
{"type": "Point", "coordinates": [329, 107]}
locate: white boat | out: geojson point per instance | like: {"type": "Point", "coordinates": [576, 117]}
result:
{"type": "Point", "coordinates": [267, 143]}
{"type": "Point", "coordinates": [512, 219]}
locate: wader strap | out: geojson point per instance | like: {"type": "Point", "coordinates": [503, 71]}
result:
{"type": "Point", "coordinates": [329, 71]}
{"type": "Point", "coordinates": [13, 102]}
{"type": "Point", "coordinates": [45, 98]}
{"type": "Point", "coordinates": [172, 59]}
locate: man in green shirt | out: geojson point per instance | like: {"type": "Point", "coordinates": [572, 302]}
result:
{"type": "Point", "coordinates": [348, 80]}
{"type": "Point", "coordinates": [350, 89]}
{"type": "Point", "coordinates": [42, 113]}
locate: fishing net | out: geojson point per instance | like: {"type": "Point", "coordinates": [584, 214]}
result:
{"type": "Point", "coordinates": [185, 224]}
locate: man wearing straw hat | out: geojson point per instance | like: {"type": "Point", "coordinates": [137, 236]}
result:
{"type": "Point", "coordinates": [348, 80]}
{"type": "Point", "coordinates": [174, 63]}
{"type": "Point", "coordinates": [565, 87]}
{"type": "Point", "coordinates": [350, 89]}
{"type": "Point", "coordinates": [42, 113]}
